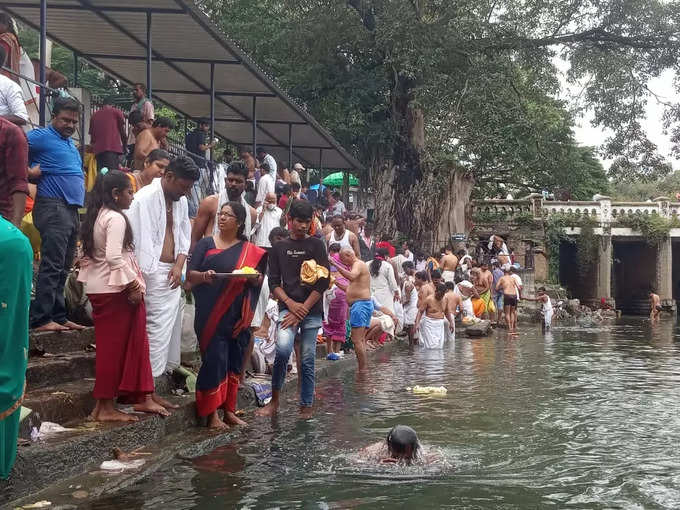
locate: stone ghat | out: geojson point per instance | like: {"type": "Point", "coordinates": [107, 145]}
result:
{"type": "Point", "coordinates": [60, 379]}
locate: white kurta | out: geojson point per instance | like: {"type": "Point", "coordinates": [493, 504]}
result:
{"type": "Point", "coordinates": [270, 220]}
{"type": "Point", "coordinates": [384, 285]}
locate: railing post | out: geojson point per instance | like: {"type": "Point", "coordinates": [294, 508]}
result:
{"type": "Point", "coordinates": [254, 125]}
{"type": "Point", "coordinates": [43, 56]}
{"type": "Point", "coordinates": [149, 55]}
{"type": "Point", "coordinates": [664, 206]}
{"type": "Point", "coordinates": [290, 147]}
{"type": "Point", "coordinates": [605, 212]}
{"type": "Point", "coordinates": [76, 65]}
{"type": "Point", "coordinates": [212, 109]}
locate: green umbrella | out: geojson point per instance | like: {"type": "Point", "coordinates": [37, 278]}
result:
{"type": "Point", "coordinates": [335, 180]}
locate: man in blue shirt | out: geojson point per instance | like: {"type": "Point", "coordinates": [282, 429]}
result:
{"type": "Point", "coordinates": [61, 191]}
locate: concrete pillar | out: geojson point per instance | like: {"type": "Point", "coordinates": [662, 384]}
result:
{"type": "Point", "coordinates": [664, 272]}
{"type": "Point", "coordinates": [604, 270]}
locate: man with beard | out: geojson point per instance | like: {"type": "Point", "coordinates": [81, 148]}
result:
{"type": "Point", "coordinates": [61, 191]}
{"type": "Point", "coordinates": [205, 223]}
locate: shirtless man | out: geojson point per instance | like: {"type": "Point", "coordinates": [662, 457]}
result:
{"type": "Point", "coordinates": [151, 139]}
{"type": "Point", "coordinates": [162, 207]}
{"type": "Point", "coordinates": [235, 184]}
{"type": "Point", "coordinates": [432, 314]}
{"type": "Point", "coordinates": [359, 300]}
{"type": "Point", "coordinates": [343, 236]}
{"type": "Point", "coordinates": [453, 304]}
{"type": "Point", "coordinates": [448, 264]}
{"type": "Point", "coordinates": [424, 285]}
{"type": "Point", "coordinates": [483, 282]}
{"type": "Point", "coordinates": [497, 245]}
{"type": "Point", "coordinates": [508, 285]}
{"type": "Point", "coordinates": [249, 161]}
{"type": "Point", "coordinates": [655, 306]}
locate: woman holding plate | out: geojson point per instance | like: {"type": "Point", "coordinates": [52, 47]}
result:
{"type": "Point", "coordinates": [226, 292]}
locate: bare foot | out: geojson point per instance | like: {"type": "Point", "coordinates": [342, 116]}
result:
{"type": "Point", "coordinates": [73, 325]}
{"type": "Point", "coordinates": [232, 419]}
{"type": "Point", "coordinates": [114, 415]}
{"type": "Point", "coordinates": [214, 422]}
{"type": "Point", "coordinates": [149, 406]}
{"type": "Point", "coordinates": [268, 410]}
{"type": "Point", "coordinates": [51, 326]}
{"type": "Point", "coordinates": [163, 402]}
{"type": "Point", "coordinates": [306, 412]}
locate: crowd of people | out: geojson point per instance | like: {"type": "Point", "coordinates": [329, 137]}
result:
{"type": "Point", "coordinates": [275, 261]}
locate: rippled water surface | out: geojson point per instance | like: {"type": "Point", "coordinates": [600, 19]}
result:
{"type": "Point", "coordinates": [581, 418]}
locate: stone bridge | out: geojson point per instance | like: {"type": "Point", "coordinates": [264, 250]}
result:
{"type": "Point", "coordinates": [627, 263]}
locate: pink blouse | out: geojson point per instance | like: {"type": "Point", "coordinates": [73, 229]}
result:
{"type": "Point", "coordinates": [113, 267]}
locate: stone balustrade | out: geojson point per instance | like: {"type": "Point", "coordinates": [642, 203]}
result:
{"type": "Point", "coordinates": [603, 209]}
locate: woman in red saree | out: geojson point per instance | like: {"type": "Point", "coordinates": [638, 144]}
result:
{"type": "Point", "coordinates": [115, 287]}
{"type": "Point", "coordinates": [224, 311]}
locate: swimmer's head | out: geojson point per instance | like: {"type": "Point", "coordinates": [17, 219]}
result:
{"type": "Point", "coordinates": [402, 443]}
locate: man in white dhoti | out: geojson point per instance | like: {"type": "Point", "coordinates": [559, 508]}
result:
{"type": "Point", "coordinates": [159, 217]}
{"type": "Point", "coordinates": [432, 319]}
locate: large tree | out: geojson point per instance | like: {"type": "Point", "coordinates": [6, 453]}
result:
{"type": "Point", "coordinates": [435, 95]}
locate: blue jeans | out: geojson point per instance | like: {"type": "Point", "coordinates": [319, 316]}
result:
{"type": "Point", "coordinates": [308, 329]}
{"type": "Point", "coordinates": [58, 225]}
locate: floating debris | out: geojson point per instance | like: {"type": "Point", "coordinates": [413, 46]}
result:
{"type": "Point", "coordinates": [428, 390]}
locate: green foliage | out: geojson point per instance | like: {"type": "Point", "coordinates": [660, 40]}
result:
{"type": "Point", "coordinates": [586, 243]}
{"type": "Point", "coordinates": [653, 227]}
{"type": "Point", "coordinates": [481, 74]}
{"type": "Point", "coordinates": [640, 190]}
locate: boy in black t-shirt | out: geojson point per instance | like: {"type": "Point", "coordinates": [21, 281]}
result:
{"type": "Point", "coordinates": [300, 305]}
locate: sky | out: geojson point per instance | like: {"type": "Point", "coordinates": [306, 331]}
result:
{"type": "Point", "coordinates": [586, 134]}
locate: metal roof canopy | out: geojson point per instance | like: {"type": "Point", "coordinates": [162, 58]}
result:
{"type": "Point", "coordinates": [194, 69]}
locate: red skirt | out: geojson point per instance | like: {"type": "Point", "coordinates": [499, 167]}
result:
{"type": "Point", "coordinates": [122, 365]}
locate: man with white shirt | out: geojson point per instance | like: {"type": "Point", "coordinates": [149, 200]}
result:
{"type": "Point", "coordinates": [265, 186]}
{"type": "Point", "coordinates": [267, 159]}
{"type": "Point", "coordinates": [12, 105]}
{"type": "Point", "coordinates": [268, 218]}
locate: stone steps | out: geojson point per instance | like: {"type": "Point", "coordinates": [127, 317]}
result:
{"type": "Point", "coordinates": [45, 370]}
{"type": "Point", "coordinates": [60, 343]}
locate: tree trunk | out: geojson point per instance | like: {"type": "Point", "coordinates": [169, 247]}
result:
{"type": "Point", "coordinates": [413, 198]}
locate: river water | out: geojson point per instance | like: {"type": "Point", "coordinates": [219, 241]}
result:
{"type": "Point", "coordinates": [585, 417]}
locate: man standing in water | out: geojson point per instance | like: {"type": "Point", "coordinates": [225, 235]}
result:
{"type": "Point", "coordinates": [655, 306]}
{"type": "Point", "coordinates": [359, 299]}
{"type": "Point", "coordinates": [300, 306]}
{"type": "Point", "coordinates": [448, 264]}
{"type": "Point", "coordinates": [508, 286]}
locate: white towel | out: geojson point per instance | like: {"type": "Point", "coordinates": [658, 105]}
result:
{"type": "Point", "coordinates": [147, 216]}
{"type": "Point", "coordinates": [163, 320]}
{"type": "Point", "coordinates": [432, 333]}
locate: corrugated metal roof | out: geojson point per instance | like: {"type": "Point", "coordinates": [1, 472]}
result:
{"type": "Point", "coordinates": [112, 35]}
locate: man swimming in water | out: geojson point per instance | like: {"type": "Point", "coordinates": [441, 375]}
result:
{"type": "Point", "coordinates": [401, 445]}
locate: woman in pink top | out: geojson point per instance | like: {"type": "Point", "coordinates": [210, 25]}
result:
{"type": "Point", "coordinates": [116, 288]}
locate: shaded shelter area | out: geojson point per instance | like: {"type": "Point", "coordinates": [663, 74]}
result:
{"type": "Point", "coordinates": [189, 65]}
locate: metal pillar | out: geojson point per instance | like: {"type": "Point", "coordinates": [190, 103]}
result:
{"type": "Point", "coordinates": [320, 161]}
{"type": "Point", "coordinates": [43, 56]}
{"type": "Point", "coordinates": [76, 65]}
{"type": "Point", "coordinates": [186, 127]}
{"type": "Point", "coordinates": [212, 109]}
{"type": "Point", "coordinates": [148, 54]}
{"type": "Point", "coordinates": [290, 147]}
{"type": "Point", "coordinates": [254, 125]}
